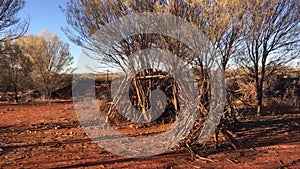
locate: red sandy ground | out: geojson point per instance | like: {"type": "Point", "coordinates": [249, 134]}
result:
{"type": "Point", "coordinates": [47, 136]}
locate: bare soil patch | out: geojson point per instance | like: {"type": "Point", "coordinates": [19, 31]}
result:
{"type": "Point", "coordinates": [50, 136]}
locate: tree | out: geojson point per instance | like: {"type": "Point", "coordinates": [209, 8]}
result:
{"type": "Point", "coordinates": [271, 38]}
{"type": "Point", "coordinates": [81, 17]}
{"type": "Point", "coordinates": [15, 69]}
{"type": "Point", "coordinates": [220, 21]}
{"type": "Point", "coordinates": [51, 61]}
{"type": "Point", "coordinates": [10, 25]}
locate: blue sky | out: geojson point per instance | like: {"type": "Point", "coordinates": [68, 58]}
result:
{"type": "Point", "coordinates": [46, 14]}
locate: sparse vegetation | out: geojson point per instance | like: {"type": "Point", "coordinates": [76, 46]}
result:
{"type": "Point", "coordinates": [257, 44]}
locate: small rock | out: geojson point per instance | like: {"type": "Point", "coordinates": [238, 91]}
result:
{"type": "Point", "coordinates": [57, 145]}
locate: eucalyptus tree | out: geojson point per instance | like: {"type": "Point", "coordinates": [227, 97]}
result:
{"type": "Point", "coordinates": [15, 68]}
{"type": "Point", "coordinates": [51, 61]}
{"type": "Point", "coordinates": [271, 37]}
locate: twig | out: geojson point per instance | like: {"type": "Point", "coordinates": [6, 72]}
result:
{"type": "Point", "coordinates": [194, 166]}
{"type": "Point", "coordinates": [198, 156]}
{"type": "Point", "coordinates": [205, 159]}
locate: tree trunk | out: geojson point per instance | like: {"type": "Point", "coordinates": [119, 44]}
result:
{"type": "Point", "coordinates": [16, 94]}
{"type": "Point", "coordinates": [259, 98]}
{"type": "Point", "coordinates": [260, 87]}
{"type": "Point", "coordinates": [257, 106]}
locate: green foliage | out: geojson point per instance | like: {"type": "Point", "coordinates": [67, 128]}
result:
{"type": "Point", "coordinates": [15, 68]}
{"type": "Point", "coordinates": [35, 62]}
{"type": "Point", "coordinates": [51, 61]}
